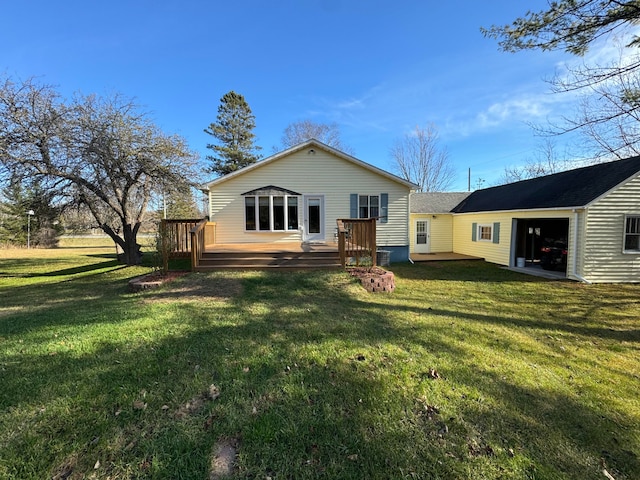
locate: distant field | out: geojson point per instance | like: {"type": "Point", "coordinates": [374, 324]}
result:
{"type": "Point", "coordinates": [73, 245]}
{"type": "Point", "coordinates": [74, 241]}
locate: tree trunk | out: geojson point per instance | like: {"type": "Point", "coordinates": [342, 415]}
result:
{"type": "Point", "coordinates": [131, 253]}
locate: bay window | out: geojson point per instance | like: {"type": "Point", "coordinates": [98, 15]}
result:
{"type": "Point", "coordinates": [271, 213]}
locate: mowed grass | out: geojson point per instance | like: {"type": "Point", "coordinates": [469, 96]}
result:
{"type": "Point", "coordinates": [466, 371]}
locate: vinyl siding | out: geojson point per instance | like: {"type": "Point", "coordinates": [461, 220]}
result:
{"type": "Point", "coordinates": [603, 259]}
{"type": "Point", "coordinates": [440, 231]}
{"type": "Point", "coordinates": [319, 174]}
{"type": "Point", "coordinates": [501, 252]}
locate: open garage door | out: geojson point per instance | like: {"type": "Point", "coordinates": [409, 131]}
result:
{"type": "Point", "coordinates": [541, 242]}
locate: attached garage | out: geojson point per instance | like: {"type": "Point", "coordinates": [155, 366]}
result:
{"type": "Point", "coordinates": [591, 215]}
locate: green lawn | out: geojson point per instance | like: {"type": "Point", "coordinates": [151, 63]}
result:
{"type": "Point", "coordinates": [466, 371]}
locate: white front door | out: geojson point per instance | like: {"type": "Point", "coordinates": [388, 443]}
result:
{"type": "Point", "coordinates": [421, 237]}
{"type": "Point", "coordinates": [313, 218]}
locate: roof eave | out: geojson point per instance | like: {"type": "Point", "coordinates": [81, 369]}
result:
{"type": "Point", "coordinates": [540, 209]}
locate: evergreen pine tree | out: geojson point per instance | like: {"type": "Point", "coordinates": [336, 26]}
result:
{"type": "Point", "coordinates": [181, 205]}
{"type": "Point", "coordinates": [16, 224]}
{"type": "Point", "coordinates": [13, 215]}
{"type": "Point", "coordinates": [234, 130]}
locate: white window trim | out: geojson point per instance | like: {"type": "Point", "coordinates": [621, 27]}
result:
{"type": "Point", "coordinates": [624, 235]}
{"type": "Point", "coordinates": [378, 196]}
{"type": "Point", "coordinates": [479, 230]}
{"type": "Point", "coordinates": [271, 216]}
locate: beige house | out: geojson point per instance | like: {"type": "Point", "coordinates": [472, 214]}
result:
{"type": "Point", "coordinates": [298, 194]}
{"type": "Point", "coordinates": [593, 212]}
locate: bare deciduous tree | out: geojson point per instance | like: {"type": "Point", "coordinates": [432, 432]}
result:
{"type": "Point", "coordinates": [304, 130]}
{"type": "Point", "coordinates": [419, 159]}
{"type": "Point", "coordinates": [102, 153]}
{"type": "Point", "coordinates": [608, 110]}
{"type": "Point", "coordinates": [545, 162]}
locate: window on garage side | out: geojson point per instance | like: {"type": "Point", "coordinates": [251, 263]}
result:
{"type": "Point", "coordinates": [485, 233]}
{"type": "Point", "coordinates": [632, 234]}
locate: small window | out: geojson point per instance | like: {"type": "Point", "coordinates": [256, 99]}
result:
{"type": "Point", "coordinates": [485, 233]}
{"type": "Point", "coordinates": [632, 234]}
{"type": "Point", "coordinates": [368, 206]}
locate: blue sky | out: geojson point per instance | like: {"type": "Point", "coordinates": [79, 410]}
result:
{"type": "Point", "coordinates": [377, 69]}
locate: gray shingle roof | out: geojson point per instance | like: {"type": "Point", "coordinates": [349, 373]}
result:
{"type": "Point", "coordinates": [573, 188]}
{"type": "Point", "coordinates": [435, 202]}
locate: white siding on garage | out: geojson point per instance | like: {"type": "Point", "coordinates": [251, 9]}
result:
{"type": "Point", "coordinates": [603, 257]}
{"type": "Point", "coordinates": [321, 173]}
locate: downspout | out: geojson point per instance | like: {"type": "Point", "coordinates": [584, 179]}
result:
{"type": "Point", "coordinates": [575, 249]}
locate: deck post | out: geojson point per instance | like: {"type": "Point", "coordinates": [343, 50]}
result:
{"type": "Point", "coordinates": [197, 234]}
{"type": "Point", "coordinates": [341, 243]}
{"type": "Point", "coordinates": [374, 248]}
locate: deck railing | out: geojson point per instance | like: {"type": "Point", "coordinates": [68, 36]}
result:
{"type": "Point", "coordinates": [357, 240]}
{"type": "Point", "coordinates": [188, 238]}
{"type": "Point", "coordinates": [177, 234]}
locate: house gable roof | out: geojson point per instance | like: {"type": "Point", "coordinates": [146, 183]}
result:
{"type": "Point", "coordinates": [311, 144]}
{"type": "Point", "coordinates": [570, 189]}
{"type": "Point", "coordinates": [435, 202]}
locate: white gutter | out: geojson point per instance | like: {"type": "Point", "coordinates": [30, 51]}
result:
{"type": "Point", "coordinates": [547, 209]}
{"type": "Point", "coordinates": [575, 249]}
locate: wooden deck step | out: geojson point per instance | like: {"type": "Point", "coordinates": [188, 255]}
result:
{"type": "Point", "coordinates": [253, 260]}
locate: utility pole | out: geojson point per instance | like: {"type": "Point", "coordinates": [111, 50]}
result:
{"type": "Point", "coordinates": [29, 213]}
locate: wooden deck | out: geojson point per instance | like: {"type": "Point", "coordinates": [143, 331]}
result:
{"type": "Point", "coordinates": [269, 255]}
{"type": "Point", "coordinates": [197, 239]}
{"type": "Point", "coordinates": [441, 257]}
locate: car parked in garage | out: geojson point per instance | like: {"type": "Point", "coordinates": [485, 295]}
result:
{"type": "Point", "coordinates": [553, 255]}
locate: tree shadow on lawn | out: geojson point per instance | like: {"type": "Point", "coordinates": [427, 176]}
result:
{"type": "Point", "coordinates": [461, 271]}
{"type": "Point", "coordinates": [81, 269]}
{"type": "Point", "coordinates": [313, 375]}
{"type": "Point", "coordinates": [37, 264]}
{"type": "Point", "coordinates": [73, 301]}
